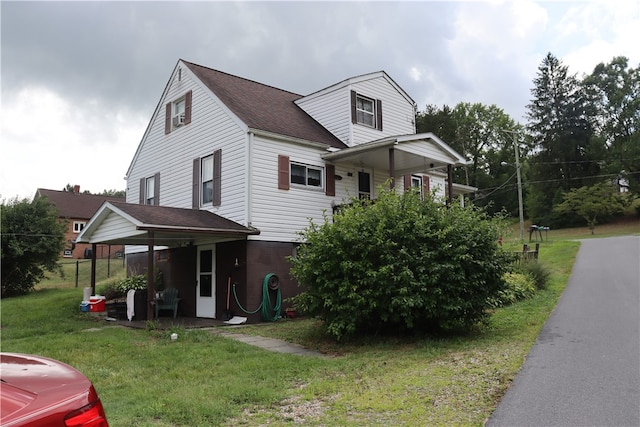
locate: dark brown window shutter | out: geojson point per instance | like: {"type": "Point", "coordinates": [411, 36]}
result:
{"type": "Point", "coordinates": [217, 178]}
{"type": "Point", "coordinates": [156, 189]}
{"type": "Point", "coordinates": [283, 172]}
{"type": "Point", "coordinates": [143, 190]}
{"type": "Point", "coordinates": [187, 108]}
{"type": "Point", "coordinates": [426, 188]}
{"type": "Point", "coordinates": [407, 182]}
{"type": "Point", "coordinates": [195, 187]}
{"type": "Point", "coordinates": [167, 119]}
{"type": "Point", "coordinates": [330, 171]}
{"type": "Point", "coordinates": [378, 114]}
{"type": "Point", "coordinates": [354, 116]}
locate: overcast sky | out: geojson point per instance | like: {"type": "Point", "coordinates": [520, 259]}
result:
{"type": "Point", "coordinates": [80, 80]}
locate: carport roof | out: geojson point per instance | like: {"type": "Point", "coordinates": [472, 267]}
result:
{"type": "Point", "coordinates": [128, 223]}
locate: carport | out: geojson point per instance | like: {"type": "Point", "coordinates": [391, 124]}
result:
{"type": "Point", "coordinates": [154, 227]}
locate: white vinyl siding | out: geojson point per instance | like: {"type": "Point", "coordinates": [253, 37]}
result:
{"type": "Point", "coordinates": [331, 107]}
{"type": "Point", "coordinates": [397, 113]}
{"type": "Point", "coordinates": [332, 110]}
{"type": "Point", "coordinates": [113, 227]}
{"type": "Point", "coordinates": [211, 128]}
{"type": "Point", "coordinates": [280, 214]}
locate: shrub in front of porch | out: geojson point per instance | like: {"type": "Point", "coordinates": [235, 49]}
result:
{"type": "Point", "coordinates": [400, 264]}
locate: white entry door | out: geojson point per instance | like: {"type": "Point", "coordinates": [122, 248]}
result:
{"type": "Point", "coordinates": [206, 288]}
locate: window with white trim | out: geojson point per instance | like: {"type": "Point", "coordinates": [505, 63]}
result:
{"type": "Point", "coordinates": [206, 179]}
{"type": "Point", "coordinates": [78, 226]}
{"type": "Point", "coordinates": [365, 111]}
{"type": "Point", "coordinates": [149, 190]}
{"type": "Point", "coordinates": [307, 175]}
{"type": "Point", "coordinates": [178, 115]}
{"type": "Point", "coordinates": [416, 183]}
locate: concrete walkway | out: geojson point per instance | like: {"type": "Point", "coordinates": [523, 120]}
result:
{"type": "Point", "coordinates": [584, 369]}
{"type": "Point", "coordinates": [271, 344]}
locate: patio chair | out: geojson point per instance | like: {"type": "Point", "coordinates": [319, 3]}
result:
{"type": "Point", "coordinates": [169, 301]}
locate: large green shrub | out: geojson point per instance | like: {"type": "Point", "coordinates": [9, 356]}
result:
{"type": "Point", "coordinates": [400, 264]}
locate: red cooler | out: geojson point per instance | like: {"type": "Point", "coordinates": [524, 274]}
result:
{"type": "Point", "coordinates": [97, 304]}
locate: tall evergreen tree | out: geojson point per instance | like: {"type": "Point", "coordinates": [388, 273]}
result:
{"type": "Point", "coordinates": [557, 122]}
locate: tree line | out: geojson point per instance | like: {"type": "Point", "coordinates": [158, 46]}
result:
{"type": "Point", "coordinates": [579, 133]}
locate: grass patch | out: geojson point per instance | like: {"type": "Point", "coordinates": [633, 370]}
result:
{"type": "Point", "coordinates": [106, 269]}
{"type": "Point", "coordinates": [203, 379]}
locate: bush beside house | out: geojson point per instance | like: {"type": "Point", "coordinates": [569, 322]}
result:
{"type": "Point", "coordinates": [400, 264]}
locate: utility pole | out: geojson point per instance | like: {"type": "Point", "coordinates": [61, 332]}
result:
{"type": "Point", "coordinates": [520, 207]}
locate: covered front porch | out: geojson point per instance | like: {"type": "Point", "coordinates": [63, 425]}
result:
{"type": "Point", "coordinates": [403, 157]}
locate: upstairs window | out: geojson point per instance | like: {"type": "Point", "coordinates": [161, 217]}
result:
{"type": "Point", "coordinates": [366, 111]}
{"type": "Point", "coordinates": [177, 119]}
{"type": "Point", "coordinates": [207, 179]}
{"type": "Point", "coordinates": [177, 113]}
{"type": "Point", "coordinates": [78, 226]}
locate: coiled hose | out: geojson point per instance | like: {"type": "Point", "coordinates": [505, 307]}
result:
{"type": "Point", "coordinates": [270, 312]}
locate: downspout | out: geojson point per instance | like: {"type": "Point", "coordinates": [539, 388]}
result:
{"type": "Point", "coordinates": [248, 177]}
{"type": "Point", "coordinates": [151, 288]}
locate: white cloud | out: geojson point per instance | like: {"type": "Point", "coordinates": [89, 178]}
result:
{"type": "Point", "coordinates": [597, 31]}
{"type": "Point", "coordinates": [48, 142]}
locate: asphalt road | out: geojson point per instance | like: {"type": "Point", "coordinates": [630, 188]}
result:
{"type": "Point", "coordinates": [584, 369]}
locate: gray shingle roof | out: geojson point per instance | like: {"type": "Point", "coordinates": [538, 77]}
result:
{"type": "Point", "coordinates": [179, 219]}
{"type": "Point", "coordinates": [264, 107]}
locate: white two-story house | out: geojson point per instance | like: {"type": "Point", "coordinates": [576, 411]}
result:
{"type": "Point", "coordinates": [229, 171]}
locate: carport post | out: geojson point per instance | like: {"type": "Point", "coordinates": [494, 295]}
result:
{"type": "Point", "coordinates": [151, 289]}
{"type": "Point", "coordinates": [93, 268]}
{"type": "Point", "coordinates": [392, 169]}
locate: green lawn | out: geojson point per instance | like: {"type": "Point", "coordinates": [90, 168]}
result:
{"type": "Point", "coordinates": [203, 379]}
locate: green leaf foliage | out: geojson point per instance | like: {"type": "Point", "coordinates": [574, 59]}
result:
{"type": "Point", "coordinates": [594, 202]}
{"type": "Point", "coordinates": [32, 238]}
{"type": "Point", "coordinates": [400, 264]}
{"type": "Point", "coordinates": [519, 286]}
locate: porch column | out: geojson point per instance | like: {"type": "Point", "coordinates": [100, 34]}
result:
{"type": "Point", "coordinates": [392, 169]}
{"type": "Point", "coordinates": [151, 288]}
{"type": "Point", "coordinates": [93, 268]}
{"type": "Point", "coordinates": [449, 184]}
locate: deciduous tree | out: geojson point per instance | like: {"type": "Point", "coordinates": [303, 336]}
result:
{"type": "Point", "coordinates": [32, 238]}
{"type": "Point", "coordinates": [594, 202]}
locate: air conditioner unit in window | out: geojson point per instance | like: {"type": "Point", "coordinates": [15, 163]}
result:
{"type": "Point", "coordinates": [178, 120]}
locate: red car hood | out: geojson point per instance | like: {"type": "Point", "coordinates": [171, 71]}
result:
{"type": "Point", "coordinates": [33, 385]}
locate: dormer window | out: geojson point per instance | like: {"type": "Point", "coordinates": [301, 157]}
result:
{"type": "Point", "coordinates": [366, 111]}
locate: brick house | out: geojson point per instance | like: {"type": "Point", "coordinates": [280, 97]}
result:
{"type": "Point", "coordinates": [77, 208]}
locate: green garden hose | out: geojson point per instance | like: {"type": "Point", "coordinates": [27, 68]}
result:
{"type": "Point", "coordinates": [270, 282]}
